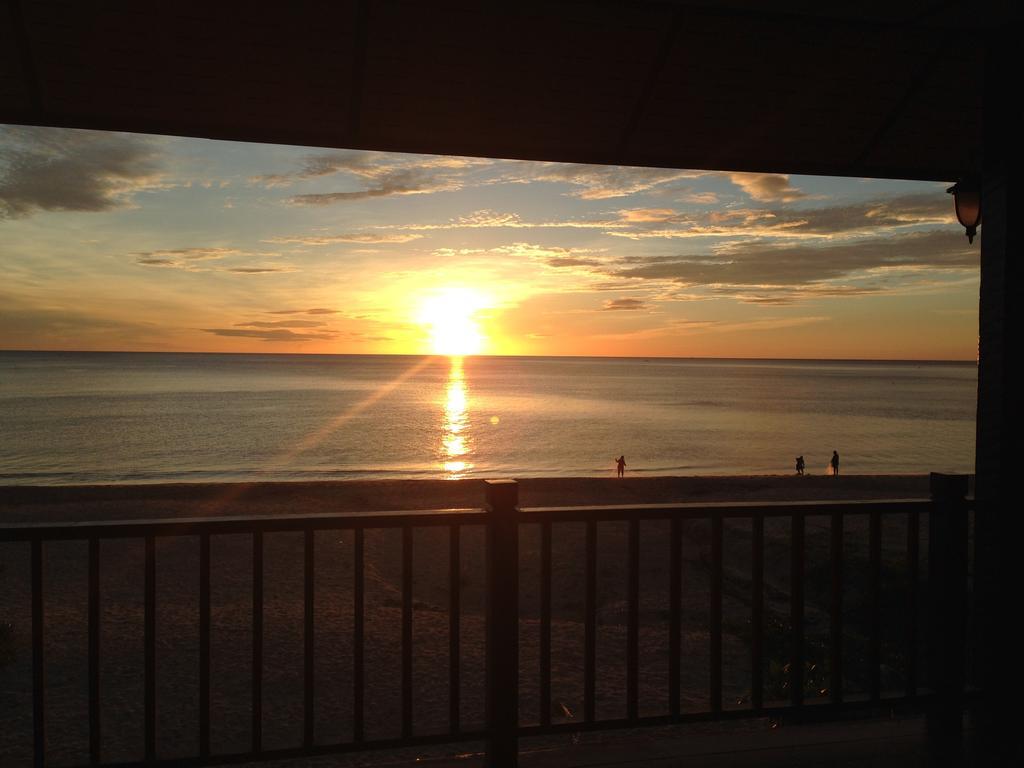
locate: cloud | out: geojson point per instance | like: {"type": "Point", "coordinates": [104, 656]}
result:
{"type": "Point", "coordinates": [552, 256]}
{"type": "Point", "coordinates": [767, 264]}
{"type": "Point", "coordinates": [181, 256]}
{"type": "Point", "coordinates": [282, 324]}
{"type": "Point", "coordinates": [624, 304]}
{"type": "Point", "coordinates": [50, 169]}
{"type": "Point", "coordinates": [693, 325]}
{"type": "Point", "coordinates": [633, 216]}
{"type": "Point", "coordinates": [781, 296]}
{"type": "Point", "coordinates": [384, 175]}
{"type": "Point", "coordinates": [861, 218]}
{"type": "Point", "coordinates": [313, 311]}
{"type": "Point", "coordinates": [351, 237]}
{"type": "Point", "coordinates": [192, 260]}
{"type": "Point", "coordinates": [365, 164]}
{"type": "Point", "coordinates": [399, 182]}
{"type": "Point", "coordinates": [389, 174]}
{"type": "Point", "coordinates": [767, 187]}
{"type": "Point", "coordinates": [770, 273]}
{"type": "Point", "coordinates": [600, 182]}
{"type": "Point", "coordinates": [562, 262]}
{"type": "Point", "coordinates": [698, 198]}
{"type": "Point", "coordinates": [259, 270]}
{"type": "Point", "coordinates": [361, 338]}
{"type": "Point", "coordinates": [280, 334]}
{"type": "Point", "coordinates": [487, 219]}
{"type": "Point", "coordinates": [774, 323]}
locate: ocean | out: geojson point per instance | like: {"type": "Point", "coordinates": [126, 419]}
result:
{"type": "Point", "coordinates": [73, 418]}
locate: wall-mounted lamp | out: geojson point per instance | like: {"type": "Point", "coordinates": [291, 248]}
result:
{"type": "Point", "coordinates": [967, 201]}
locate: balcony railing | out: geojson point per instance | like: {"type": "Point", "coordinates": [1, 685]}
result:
{"type": "Point", "coordinates": [942, 632]}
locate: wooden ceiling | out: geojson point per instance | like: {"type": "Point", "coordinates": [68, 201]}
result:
{"type": "Point", "coordinates": [842, 88]}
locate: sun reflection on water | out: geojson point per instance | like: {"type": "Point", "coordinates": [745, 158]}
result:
{"type": "Point", "coordinates": [455, 442]}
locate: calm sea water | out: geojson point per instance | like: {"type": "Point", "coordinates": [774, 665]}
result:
{"type": "Point", "coordinates": [133, 417]}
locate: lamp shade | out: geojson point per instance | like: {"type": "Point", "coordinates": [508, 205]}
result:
{"type": "Point", "coordinates": [967, 202]}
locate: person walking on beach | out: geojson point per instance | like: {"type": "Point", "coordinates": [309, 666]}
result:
{"type": "Point", "coordinates": [835, 463]}
{"type": "Point", "coordinates": [799, 465]}
{"type": "Point", "coordinates": [620, 464]}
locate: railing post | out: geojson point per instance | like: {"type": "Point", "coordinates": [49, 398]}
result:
{"type": "Point", "coordinates": [502, 623]}
{"type": "Point", "coordinates": [947, 612]}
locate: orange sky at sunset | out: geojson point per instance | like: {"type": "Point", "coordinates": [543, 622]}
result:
{"type": "Point", "coordinates": [128, 242]}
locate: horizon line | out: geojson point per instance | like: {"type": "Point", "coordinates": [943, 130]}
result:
{"type": "Point", "coordinates": [502, 356]}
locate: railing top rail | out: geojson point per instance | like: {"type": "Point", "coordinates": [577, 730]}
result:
{"type": "Point", "coordinates": [227, 524]}
{"type": "Point", "coordinates": [191, 526]}
{"type": "Point", "coordinates": [723, 509]}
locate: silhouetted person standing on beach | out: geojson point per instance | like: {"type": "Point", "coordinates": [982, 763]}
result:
{"type": "Point", "coordinates": [799, 465]}
{"type": "Point", "coordinates": [620, 464]}
{"type": "Point", "coordinates": [835, 463]}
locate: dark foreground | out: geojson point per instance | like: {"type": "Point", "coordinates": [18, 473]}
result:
{"type": "Point", "coordinates": [177, 620]}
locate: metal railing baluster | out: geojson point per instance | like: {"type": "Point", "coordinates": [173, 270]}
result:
{"type": "Point", "coordinates": [204, 645]}
{"type": "Point", "coordinates": [95, 750]}
{"type": "Point", "coordinates": [836, 610]}
{"type": "Point", "coordinates": [715, 677]}
{"type": "Point", "coordinates": [257, 641]}
{"type": "Point", "coordinates": [913, 568]}
{"type": "Point", "coordinates": [757, 613]}
{"type": "Point", "coordinates": [149, 641]}
{"type": "Point", "coordinates": [675, 611]}
{"type": "Point", "coordinates": [406, 632]}
{"type": "Point", "coordinates": [545, 623]}
{"type": "Point", "coordinates": [38, 669]}
{"type": "Point", "coordinates": [590, 624]}
{"type": "Point", "coordinates": [454, 627]}
{"type": "Point", "coordinates": [633, 623]}
{"type": "Point", "coordinates": [358, 631]}
{"type": "Point", "coordinates": [874, 596]}
{"type": "Point", "coordinates": [309, 640]}
{"type": "Point", "coordinates": [796, 589]}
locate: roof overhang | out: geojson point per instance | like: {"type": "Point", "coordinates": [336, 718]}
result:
{"type": "Point", "coordinates": [842, 88]}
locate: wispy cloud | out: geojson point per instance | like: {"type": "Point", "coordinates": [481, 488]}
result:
{"type": "Point", "coordinates": [599, 182]}
{"type": "Point", "coordinates": [487, 219]}
{"type": "Point", "coordinates": [769, 273]}
{"type": "Point", "coordinates": [282, 324]}
{"type": "Point", "coordinates": [861, 218]}
{"type": "Point", "coordinates": [197, 260]}
{"type": "Point", "coordinates": [381, 238]}
{"type": "Point", "coordinates": [275, 335]}
{"type": "Point", "coordinates": [644, 223]}
{"type": "Point", "coordinates": [382, 175]}
{"type": "Point", "coordinates": [552, 256]}
{"type": "Point", "coordinates": [313, 311]}
{"type": "Point", "coordinates": [182, 256]}
{"type": "Point", "coordinates": [767, 264]}
{"type": "Point", "coordinates": [767, 187]}
{"type": "Point", "coordinates": [47, 169]}
{"type": "Point", "coordinates": [259, 270]}
{"type": "Point", "coordinates": [624, 304]}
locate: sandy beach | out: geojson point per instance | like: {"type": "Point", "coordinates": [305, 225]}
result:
{"type": "Point", "coordinates": [177, 613]}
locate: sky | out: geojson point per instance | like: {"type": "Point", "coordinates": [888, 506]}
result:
{"type": "Point", "coordinates": [112, 241]}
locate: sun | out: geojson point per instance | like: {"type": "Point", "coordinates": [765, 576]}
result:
{"type": "Point", "coordinates": [450, 316]}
